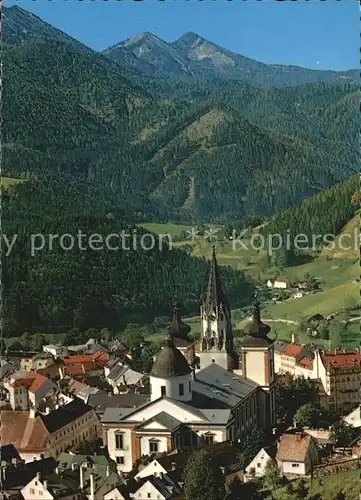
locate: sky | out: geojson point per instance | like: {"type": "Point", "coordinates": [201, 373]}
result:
{"type": "Point", "coordinates": [314, 34]}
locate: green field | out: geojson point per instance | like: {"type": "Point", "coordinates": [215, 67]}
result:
{"type": "Point", "coordinates": [6, 182]}
{"type": "Point", "coordinates": [347, 483]}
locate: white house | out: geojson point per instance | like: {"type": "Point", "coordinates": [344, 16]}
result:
{"type": "Point", "coordinates": [49, 489]}
{"type": "Point", "coordinates": [114, 494]}
{"type": "Point", "coordinates": [354, 418]}
{"type": "Point", "coordinates": [257, 466]}
{"type": "Point", "coordinates": [56, 350]}
{"type": "Point", "coordinates": [297, 454]}
{"type": "Point", "coordinates": [280, 283]}
{"type": "Point", "coordinates": [157, 488]}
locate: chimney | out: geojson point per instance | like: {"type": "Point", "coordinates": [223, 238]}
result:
{"type": "Point", "coordinates": [45, 484]}
{"type": "Point", "coordinates": [293, 338]}
{"type": "Point", "coordinates": [92, 487]}
{"type": "Point", "coordinates": [81, 471]}
{"type": "Point", "coordinates": [47, 410]}
{"type": "Point", "coordinates": [108, 471]}
{"type": "Point", "coordinates": [173, 466]}
{"type": "Point", "coordinates": [38, 476]}
{"type": "Point", "coordinates": [57, 470]}
{"type": "Point", "coordinates": [32, 412]}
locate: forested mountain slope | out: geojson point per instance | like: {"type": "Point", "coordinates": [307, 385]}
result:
{"type": "Point", "coordinates": [194, 153]}
{"type": "Point", "coordinates": [58, 289]}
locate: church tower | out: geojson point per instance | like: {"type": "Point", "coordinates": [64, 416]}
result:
{"type": "Point", "coordinates": [171, 375]}
{"type": "Point", "coordinates": [257, 357]}
{"type": "Point", "coordinates": [216, 341]}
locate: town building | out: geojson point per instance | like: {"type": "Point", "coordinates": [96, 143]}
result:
{"type": "Point", "coordinates": [37, 436]}
{"type": "Point", "coordinates": [27, 388]}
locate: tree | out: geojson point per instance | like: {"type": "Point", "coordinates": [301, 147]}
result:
{"type": "Point", "coordinates": [252, 444]}
{"type": "Point", "coordinates": [342, 433]}
{"type": "Point", "coordinates": [307, 415]}
{"type": "Point", "coordinates": [132, 337]}
{"type": "Point", "coordinates": [40, 342]}
{"type": "Point", "coordinates": [291, 394]}
{"type": "Point", "coordinates": [203, 479]}
{"type": "Point", "coordinates": [272, 478]}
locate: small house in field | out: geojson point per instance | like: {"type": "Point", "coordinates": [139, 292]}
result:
{"type": "Point", "coordinates": [297, 454]}
{"type": "Point", "coordinates": [279, 283]}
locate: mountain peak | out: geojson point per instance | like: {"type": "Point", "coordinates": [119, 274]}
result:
{"type": "Point", "coordinates": [188, 40]}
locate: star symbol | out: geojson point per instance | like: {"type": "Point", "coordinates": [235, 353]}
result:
{"type": "Point", "coordinates": [210, 234]}
{"type": "Point", "coordinates": [192, 234]}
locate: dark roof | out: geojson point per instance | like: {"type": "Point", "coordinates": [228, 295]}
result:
{"type": "Point", "coordinates": [20, 475]}
{"type": "Point", "coordinates": [170, 362]}
{"type": "Point", "coordinates": [215, 297]}
{"type": "Point", "coordinates": [178, 329]}
{"type": "Point", "coordinates": [250, 341]}
{"type": "Point", "coordinates": [165, 420]}
{"type": "Point", "coordinates": [101, 401]}
{"type": "Point", "coordinates": [64, 415]}
{"type": "Point", "coordinates": [8, 452]}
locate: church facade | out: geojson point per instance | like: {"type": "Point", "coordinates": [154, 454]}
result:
{"type": "Point", "coordinates": [190, 407]}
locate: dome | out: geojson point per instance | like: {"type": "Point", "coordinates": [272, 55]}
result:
{"type": "Point", "coordinates": [170, 362]}
{"type": "Point", "coordinates": [178, 329]}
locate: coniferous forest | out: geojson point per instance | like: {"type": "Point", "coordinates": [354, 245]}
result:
{"type": "Point", "coordinates": [102, 146]}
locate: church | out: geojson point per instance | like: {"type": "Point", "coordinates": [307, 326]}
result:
{"type": "Point", "coordinates": [223, 400]}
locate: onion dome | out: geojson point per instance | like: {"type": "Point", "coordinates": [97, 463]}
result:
{"type": "Point", "coordinates": [178, 329]}
{"type": "Point", "coordinates": [170, 362]}
{"type": "Point", "coordinates": [256, 330]}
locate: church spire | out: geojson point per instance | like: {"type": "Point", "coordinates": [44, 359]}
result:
{"type": "Point", "coordinates": [215, 295]}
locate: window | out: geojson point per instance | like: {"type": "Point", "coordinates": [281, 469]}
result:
{"type": "Point", "coordinates": [149, 495]}
{"type": "Point", "coordinates": [120, 460]}
{"type": "Point", "coordinates": [181, 389]}
{"type": "Point", "coordinates": [119, 441]}
{"type": "Point", "coordinates": [295, 465]}
{"type": "Point", "coordinates": [258, 465]}
{"type": "Point", "coordinates": [153, 446]}
{"type": "Point", "coordinates": [162, 390]}
{"type": "Point", "coordinates": [209, 438]}
{"type": "Point", "coordinates": [40, 493]}
{"type": "Point", "coordinates": [32, 491]}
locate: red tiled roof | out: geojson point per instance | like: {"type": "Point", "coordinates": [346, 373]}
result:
{"type": "Point", "coordinates": [80, 369]}
{"type": "Point", "coordinates": [38, 381]}
{"type": "Point", "coordinates": [305, 362]}
{"type": "Point", "coordinates": [349, 360]}
{"type": "Point", "coordinates": [23, 432]}
{"type": "Point", "coordinates": [291, 350]}
{"type": "Point", "coordinates": [100, 357]}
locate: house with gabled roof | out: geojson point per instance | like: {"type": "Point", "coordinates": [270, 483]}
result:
{"type": "Point", "coordinates": [257, 466]}
{"type": "Point", "coordinates": [27, 388]}
{"type": "Point", "coordinates": [297, 454]}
